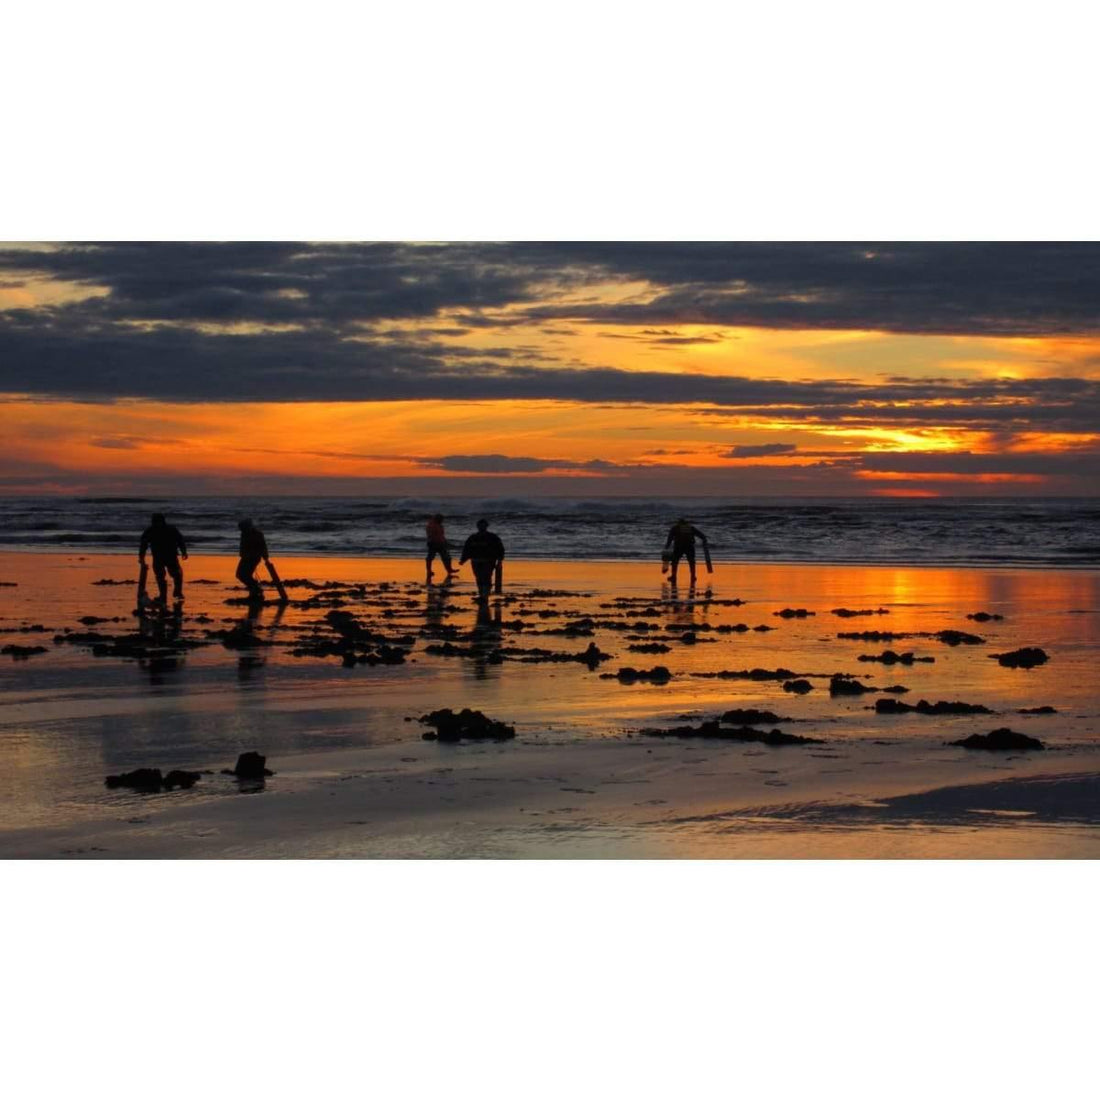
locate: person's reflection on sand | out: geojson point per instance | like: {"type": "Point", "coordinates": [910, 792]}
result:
{"type": "Point", "coordinates": [435, 605]}
{"type": "Point", "coordinates": [690, 611]}
{"type": "Point", "coordinates": [252, 662]}
{"type": "Point", "coordinates": [681, 603]}
{"type": "Point", "coordinates": [161, 629]}
{"type": "Point", "coordinates": [486, 638]}
{"type": "Point", "coordinates": [158, 665]}
{"type": "Point", "coordinates": [248, 664]}
{"type": "Point", "coordinates": [251, 619]}
{"type": "Point", "coordinates": [161, 626]}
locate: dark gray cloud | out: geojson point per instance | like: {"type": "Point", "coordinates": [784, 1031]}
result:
{"type": "Point", "coordinates": [56, 353]}
{"type": "Point", "coordinates": [1077, 464]}
{"type": "Point", "coordinates": [329, 317]}
{"type": "Point", "coordinates": [280, 283]}
{"type": "Point", "coordinates": [991, 288]}
{"type": "Point", "coordinates": [760, 450]}
{"type": "Point", "coordinates": [509, 464]}
{"type": "Point", "coordinates": [662, 337]}
{"type": "Point", "coordinates": [950, 288]}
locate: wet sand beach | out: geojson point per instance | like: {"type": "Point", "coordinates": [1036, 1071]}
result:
{"type": "Point", "coordinates": [326, 687]}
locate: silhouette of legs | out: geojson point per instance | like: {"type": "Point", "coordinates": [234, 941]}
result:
{"type": "Point", "coordinates": [483, 574]}
{"type": "Point", "coordinates": [164, 568]}
{"type": "Point", "coordinates": [444, 557]}
{"type": "Point", "coordinates": [176, 573]}
{"type": "Point", "coordinates": [159, 568]}
{"type": "Point", "coordinates": [689, 553]}
{"type": "Point", "coordinates": [245, 571]}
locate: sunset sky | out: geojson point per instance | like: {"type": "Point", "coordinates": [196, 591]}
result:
{"type": "Point", "coordinates": [581, 370]}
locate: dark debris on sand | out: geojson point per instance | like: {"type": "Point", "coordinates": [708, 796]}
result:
{"type": "Point", "coordinates": [150, 780]}
{"type": "Point", "coordinates": [889, 657]}
{"type": "Point", "coordinates": [1000, 740]}
{"type": "Point", "coordinates": [759, 674]}
{"type": "Point", "coordinates": [715, 731]}
{"type": "Point", "coordinates": [896, 706]}
{"type": "Point", "coordinates": [659, 674]}
{"type": "Point", "coordinates": [1028, 657]}
{"type": "Point", "coordinates": [798, 687]}
{"type": "Point", "coordinates": [848, 685]}
{"type": "Point", "coordinates": [250, 765]}
{"type": "Point", "coordinates": [749, 716]}
{"type": "Point", "coordinates": [353, 642]}
{"type": "Point", "coordinates": [136, 646]}
{"type": "Point", "coordinates": [957, 637]}
{"type": "Point", "coordinates": [464, 725]}
{"type": "Point", "coordinates": [592, 656]}
{"type": "Point", "coordinates": [948, 637]}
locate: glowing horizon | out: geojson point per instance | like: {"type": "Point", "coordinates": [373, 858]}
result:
{"type": "Point", "coordinates": [198, 368]}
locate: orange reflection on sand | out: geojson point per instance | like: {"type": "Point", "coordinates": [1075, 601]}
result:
{"type": "Point", "coordinates": [80, 715]}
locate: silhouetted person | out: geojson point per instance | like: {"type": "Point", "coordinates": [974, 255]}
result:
{"type": "Point", "coordinates": [681, 537]}
{"type": "Point", "coordinates": [483, 550]}
{"type": "Point", "coordinates": [253, 551]}
{"type": "Point", "coordinates": [437, 544]}
{"type": "Point", "coordinates": [166, 542]}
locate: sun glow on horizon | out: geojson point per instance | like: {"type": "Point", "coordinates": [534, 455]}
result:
{"type": "Point", "coordinates": [570, 365]}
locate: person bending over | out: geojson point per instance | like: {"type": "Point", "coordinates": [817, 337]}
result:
{"type": "Point", "coordinates": [483, 550]}
{"type": "Point", "coordinates": [166, 542]}
{"type": "Point", "coordinates": [681, 537]}
{"type": "Point", "coordinates": [253, 551]}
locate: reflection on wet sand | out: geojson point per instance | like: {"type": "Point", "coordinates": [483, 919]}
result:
{"type": "Point", "coordinates": [365, 645]}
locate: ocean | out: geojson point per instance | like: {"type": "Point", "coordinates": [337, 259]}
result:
{"type": "Point", "coordinates": [943, 531]}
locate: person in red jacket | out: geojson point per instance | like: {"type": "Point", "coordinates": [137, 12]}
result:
{"type": "Point", "coordinates": [437, 544]}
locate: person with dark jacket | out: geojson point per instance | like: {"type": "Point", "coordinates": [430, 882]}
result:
{"type": "Point", "coordinates": [437, 544]}
{"type": "Point", "coordinates": [253, 551]}
{"type": "Point", "coordinates": [166, 542]}
{"type": "Point", "coordinates": [681, 537]}
{"type": "Point", "coordinates": [484, 551]}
